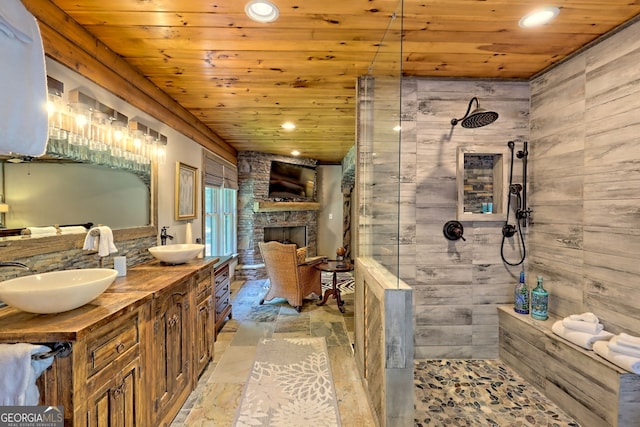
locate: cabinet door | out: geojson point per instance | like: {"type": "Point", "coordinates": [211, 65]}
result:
{"type": "Point", "coordinates": [171, 349]}
{"type": "Point", "coordinates": [118, 403]}
{"type": "Point", "coordinates": [204, 333]}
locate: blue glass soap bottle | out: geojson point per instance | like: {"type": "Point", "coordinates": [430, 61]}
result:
{"type": "Point", "coordinates": [539, 301]}
{"type": "Point", "coordinates": [521, 296]}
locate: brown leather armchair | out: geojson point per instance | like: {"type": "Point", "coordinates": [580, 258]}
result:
{"type": "Point", "coordinates": [288, 278]}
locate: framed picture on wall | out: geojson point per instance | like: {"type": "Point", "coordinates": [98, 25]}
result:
{"type": "Point", "coordinates": [186, 192]}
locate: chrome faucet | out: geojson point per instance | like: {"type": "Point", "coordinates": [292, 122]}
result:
{"type": "Point", "coordinates": [14, 264]}
{"type": "Point", "coordinates": [164, 236]}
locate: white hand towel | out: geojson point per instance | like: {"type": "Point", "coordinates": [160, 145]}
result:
{"type": "Point", "coordinates": [629, 340]}
{"type": "Point", "coordinates": [106, 245]}
{"type": "Point", "coordinates": [585, 317]}
{"type": "Point", "coordinates": [630, 363]}
{"type": "Point", "coordinates": [18, 373]}
{"type": "Point", "coordinates": [578, 325]}
{"type": "Point", "coordinates": [583, 339]}
{"type": "Point", "coordinates": [23, 82]}
{"type": "Point", "coordinates": [90, 241]}
{"type": "Point", "coordinates": [101, 242]}
{"type": "Point", "coordinates": [42, 231]}
{"type": "Point", "coordinates": [614, 345]}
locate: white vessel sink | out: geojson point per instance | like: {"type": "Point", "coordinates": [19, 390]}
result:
{"type": "Point", "coordinates": [56, 291]}
{"type": "Point", "coordinates": [176, 254]}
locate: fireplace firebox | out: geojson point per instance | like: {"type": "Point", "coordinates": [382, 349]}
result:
{"type": "Point", "coordinates": [287, 235]}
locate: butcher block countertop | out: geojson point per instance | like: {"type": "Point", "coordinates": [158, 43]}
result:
{"type": "Point", "coordinates": [124, 295]}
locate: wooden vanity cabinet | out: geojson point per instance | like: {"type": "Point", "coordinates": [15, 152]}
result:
{"type": "Point", "coordinates": [204, 322]}
{"type": "Point", "coordinates": [137, 350]}
{"type": "Point", "coordinates": [103, 381]}
{"type": "Point", "coordinates": [222, 295]}
{"type": "Point", "coordinates": [115, 372]}
{"type": "Point", "coordinates": [171, 354]}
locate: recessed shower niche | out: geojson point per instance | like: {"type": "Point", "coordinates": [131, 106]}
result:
{"type": "Point", "coordinates": [481, 179]}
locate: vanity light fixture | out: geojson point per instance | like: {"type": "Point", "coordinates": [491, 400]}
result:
{"type": "Point", "coordinates": [262, 11]}
{"type": "Point", "coordinates": [83, 129]}
{"type": "Point", "coordinates": [539, 17]}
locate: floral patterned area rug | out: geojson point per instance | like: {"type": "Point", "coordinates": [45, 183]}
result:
{"type": "Point", "coordinates": [290, 385]}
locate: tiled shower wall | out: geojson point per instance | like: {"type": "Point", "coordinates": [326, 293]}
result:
{"type": "Point", "coordinates": [585, 169]}
{"type": "Point", "coordinates": [456, 284]}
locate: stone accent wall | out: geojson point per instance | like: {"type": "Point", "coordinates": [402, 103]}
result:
{"type": "Point", "coordinates": [253, 186]}
{"type": "Point", "coordinates": [71, 255]}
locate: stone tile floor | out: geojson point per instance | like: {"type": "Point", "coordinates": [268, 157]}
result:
{"type": "Point", "coordinates": [447, 392]}
{"type": "Point", "coordinates": [217, 394]}
{"type": "Point", "coordinates": [479, 393]}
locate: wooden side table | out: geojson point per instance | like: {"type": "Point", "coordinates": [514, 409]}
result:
{"type": "Point", "coordinates": [334, 267]}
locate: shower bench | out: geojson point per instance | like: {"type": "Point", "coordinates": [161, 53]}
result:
{"type": "Point", "coordinates": [589, 388]}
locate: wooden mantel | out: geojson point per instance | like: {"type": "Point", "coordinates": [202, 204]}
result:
{"type": "Point", "coordinates": [266, 206]}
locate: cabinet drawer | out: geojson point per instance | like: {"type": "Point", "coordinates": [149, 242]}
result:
{"type": "Point", "coordinates": [203, 278]}
{"type": "Point", "coordinates": [203, 287]}
{"type": "Point", "coordinates": [119, 337]}
{"type": "Point", "coordinates": [221, 306]}
{"type": "Point", "coordinates": [222, 290]}
{"type": "Point", "coordinates": [222, 275]}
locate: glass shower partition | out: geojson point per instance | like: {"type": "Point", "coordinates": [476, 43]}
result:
{"type": "Point", "coordinates": [386, 229]}
{"type": "Point", "coordinates": [379, 142]}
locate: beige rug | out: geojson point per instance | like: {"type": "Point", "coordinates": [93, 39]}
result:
{"type": "Point", "coordinates": [290, 385]}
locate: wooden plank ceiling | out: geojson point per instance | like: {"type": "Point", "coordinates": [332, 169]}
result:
{"type": "Point", "coordinates": [244, 79]}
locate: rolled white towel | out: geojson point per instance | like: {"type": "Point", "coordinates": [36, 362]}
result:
{"type": "Point", "coordinates": [630, 363]}
{"type": "Point", "coordinates": [73, 229]}
{"type": "Point", "coordinates": [583, 339]}
{"type": "Point", "coordinates": [629, 340]}
{"type": "Point", "coordinates": [42, 231]}
{"type": "Point", "coordinates": [614, 345]}
{"type": "Point", "coordinates": [585, 317]}
{"type": "Point", "coordinates": [578, 325]}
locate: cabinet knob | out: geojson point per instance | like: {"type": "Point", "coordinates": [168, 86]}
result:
{"type": "Point", "coordinates": [119, 347]}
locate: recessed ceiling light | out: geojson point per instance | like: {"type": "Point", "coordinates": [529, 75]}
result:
{"type": "Point", "coordinates": [295, 153]}
{"type": "Point", "coordinates": [539, 17]}
{"type": "Point", "coordinates": [262, 11]}
{"type": "Point", "coordinates": [288, 126]}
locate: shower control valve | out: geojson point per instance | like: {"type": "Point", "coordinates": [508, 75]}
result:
{"type": "Point", "coordinates": [453, 230]}
{"type": "Point", "coordinates": [508, 230]}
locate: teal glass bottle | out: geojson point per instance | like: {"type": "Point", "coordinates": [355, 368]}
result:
{"type": "Point", "coordinates": [539, 301]}
{"type": "Point", "coordinates": [521, 296]}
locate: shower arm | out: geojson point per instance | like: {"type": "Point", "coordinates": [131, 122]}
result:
{"type": "Point", "coordinates": [455, 121]}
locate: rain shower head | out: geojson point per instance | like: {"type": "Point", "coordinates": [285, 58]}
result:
{"type": "Point", "coordinates": [478, 117]}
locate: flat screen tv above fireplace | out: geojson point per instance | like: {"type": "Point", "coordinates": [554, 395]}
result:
{"type": "Point", "coordinates": [288, 181]}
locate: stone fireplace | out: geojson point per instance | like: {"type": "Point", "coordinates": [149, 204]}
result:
{"type": "Point", "coordinates": [259, 216]}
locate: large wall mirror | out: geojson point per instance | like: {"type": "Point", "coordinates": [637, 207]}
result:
{"type": "Point", "coordinates": [45, 192]}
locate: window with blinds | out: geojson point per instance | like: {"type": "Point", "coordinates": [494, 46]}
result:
{"type": "Point", "coordinates": [220, 206]}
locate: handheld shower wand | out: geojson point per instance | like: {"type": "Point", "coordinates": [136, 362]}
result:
{"type": "Point", "coordinates": [519, 192]}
